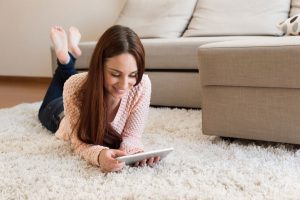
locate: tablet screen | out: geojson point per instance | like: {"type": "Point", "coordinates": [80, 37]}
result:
{"type": "Point", "coordinates": [131, 159]}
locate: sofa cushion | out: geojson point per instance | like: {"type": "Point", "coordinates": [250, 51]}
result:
{"type": "Point", "coordinates": [295, 8]}
{"type": "Point", "coordinates": [180, 53]}
{"type": "Point", "coordinates": [157, 18]}
{"type": "Point", "coordinates": [238, 17]}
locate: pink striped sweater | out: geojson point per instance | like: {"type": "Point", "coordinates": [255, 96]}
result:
{"type": "Point", "coordinates": [129, 120]}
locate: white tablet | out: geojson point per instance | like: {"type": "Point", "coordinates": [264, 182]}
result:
{"type": "Point", "coordinates": [131, 159]}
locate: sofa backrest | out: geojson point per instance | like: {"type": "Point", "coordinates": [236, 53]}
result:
{"type": "Point", "coordinates": [238, 17]}
{"type": "Point", "coordinates": [157, 18]}
{"type": "Point", "coordinates": [174, 18]}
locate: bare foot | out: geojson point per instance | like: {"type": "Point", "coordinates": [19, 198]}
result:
{"type": "Point", "coordinates": [74, 38]}
{"type": "Point", "coordinates": [59, 40]}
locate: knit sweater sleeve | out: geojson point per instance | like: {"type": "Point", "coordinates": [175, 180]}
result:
{"type": "Point", "coordinates": [71, 108]}
{"type": "Point", "coordinates": [135, 124]}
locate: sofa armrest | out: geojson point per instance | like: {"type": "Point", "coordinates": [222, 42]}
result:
{"type": "Point", "coordinates": [250, 89]}
{"type": "Point", "coordinates": [236, 63]}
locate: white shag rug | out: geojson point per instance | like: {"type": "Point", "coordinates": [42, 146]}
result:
{"type": "Point", "coordinates": [36, 165]}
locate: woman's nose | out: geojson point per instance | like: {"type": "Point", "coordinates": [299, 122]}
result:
{"type": "Point", "coordinates": [124, 84]}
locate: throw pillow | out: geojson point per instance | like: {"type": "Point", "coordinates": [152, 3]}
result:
{"type": "Point", "coordinates": [157, 18]}
{"type": "Point", "coordinates": [295, 8]}
{"type": "Point", "coordinates": [291, 26]}
{"type": "Point", "coordinates": [238, 17]}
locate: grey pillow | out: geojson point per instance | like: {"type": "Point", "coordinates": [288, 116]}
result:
{"type": "Point", "coordinates": [157, 18]}
{"type": "Point", "coordinates": [291, 26]}
{"type": "Point", "coordinates": [238, 17]}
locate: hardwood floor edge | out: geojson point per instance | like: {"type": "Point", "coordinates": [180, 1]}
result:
{"type": "Point", "coordinates": [25, 79]}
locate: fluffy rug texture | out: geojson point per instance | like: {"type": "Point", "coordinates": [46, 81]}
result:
{"type": "Point", "coordinates": [36, 165]}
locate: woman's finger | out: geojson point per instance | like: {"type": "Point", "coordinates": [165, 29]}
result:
{"type": "Point", "coordinates": [156, 160]}
{"type": "Point", "coordinates": [118, 168]}
{"type": "Point", "coordinates": [150, 161]}
{"type": "Point", "coordinates": [118, 153]}
{"type": "Point", "coordinates": [143, 162]}
{"type": "Point", "coordinates": [136, 164]}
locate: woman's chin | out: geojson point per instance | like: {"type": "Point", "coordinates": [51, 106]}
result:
{"type": "Point", "coordinates": [117, 95]}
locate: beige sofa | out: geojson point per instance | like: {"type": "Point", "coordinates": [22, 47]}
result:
{"type": "Point", "coordinates": [171, 62]}
{"type": "Point", "coordinates": [247, 83]}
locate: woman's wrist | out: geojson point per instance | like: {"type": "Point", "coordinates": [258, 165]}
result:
{"type": "Point", "coordinates": [101, 151]}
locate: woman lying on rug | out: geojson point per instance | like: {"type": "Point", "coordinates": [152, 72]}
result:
{"type": "Point", "coordinates": [101, 112]}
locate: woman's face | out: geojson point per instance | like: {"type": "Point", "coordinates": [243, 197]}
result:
{"type": "Point", "coordinates": [120, 74]}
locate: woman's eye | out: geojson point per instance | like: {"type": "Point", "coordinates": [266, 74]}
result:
{"type": "Point", "coordinates": [115, 75]}
{"type": "Point", "coordinates": [133, 75]}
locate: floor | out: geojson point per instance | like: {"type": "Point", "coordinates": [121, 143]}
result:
{"type": "Point", "coordinates": [16, 90]}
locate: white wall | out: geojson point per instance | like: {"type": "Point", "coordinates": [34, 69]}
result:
{"type": "Point", "coordinates": [25, 25]}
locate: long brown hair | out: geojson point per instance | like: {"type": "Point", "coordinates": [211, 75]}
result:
{"type": "Point", "coordinates": [93, 124]}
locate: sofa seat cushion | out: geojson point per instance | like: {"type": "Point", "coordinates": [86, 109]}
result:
{"type": "Point", "coordinates": [180, 53]}
{"type": "Point", "coordinates": [269, 62]}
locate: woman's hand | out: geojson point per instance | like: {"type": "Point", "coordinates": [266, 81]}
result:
{"type": "Point", "coordinates": [107, 160]}
{"type": "Point", "coordinates": [150, 161]}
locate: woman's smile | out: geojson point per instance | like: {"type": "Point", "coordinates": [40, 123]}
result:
{"type": "Point", "coordinates": [119, 91]}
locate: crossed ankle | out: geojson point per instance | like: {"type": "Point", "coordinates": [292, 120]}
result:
{"type": "Point", "coordinates": [63, 58]}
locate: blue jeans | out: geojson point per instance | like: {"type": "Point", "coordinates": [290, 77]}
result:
{"type": "Point", "coordinates": [52, 108]}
